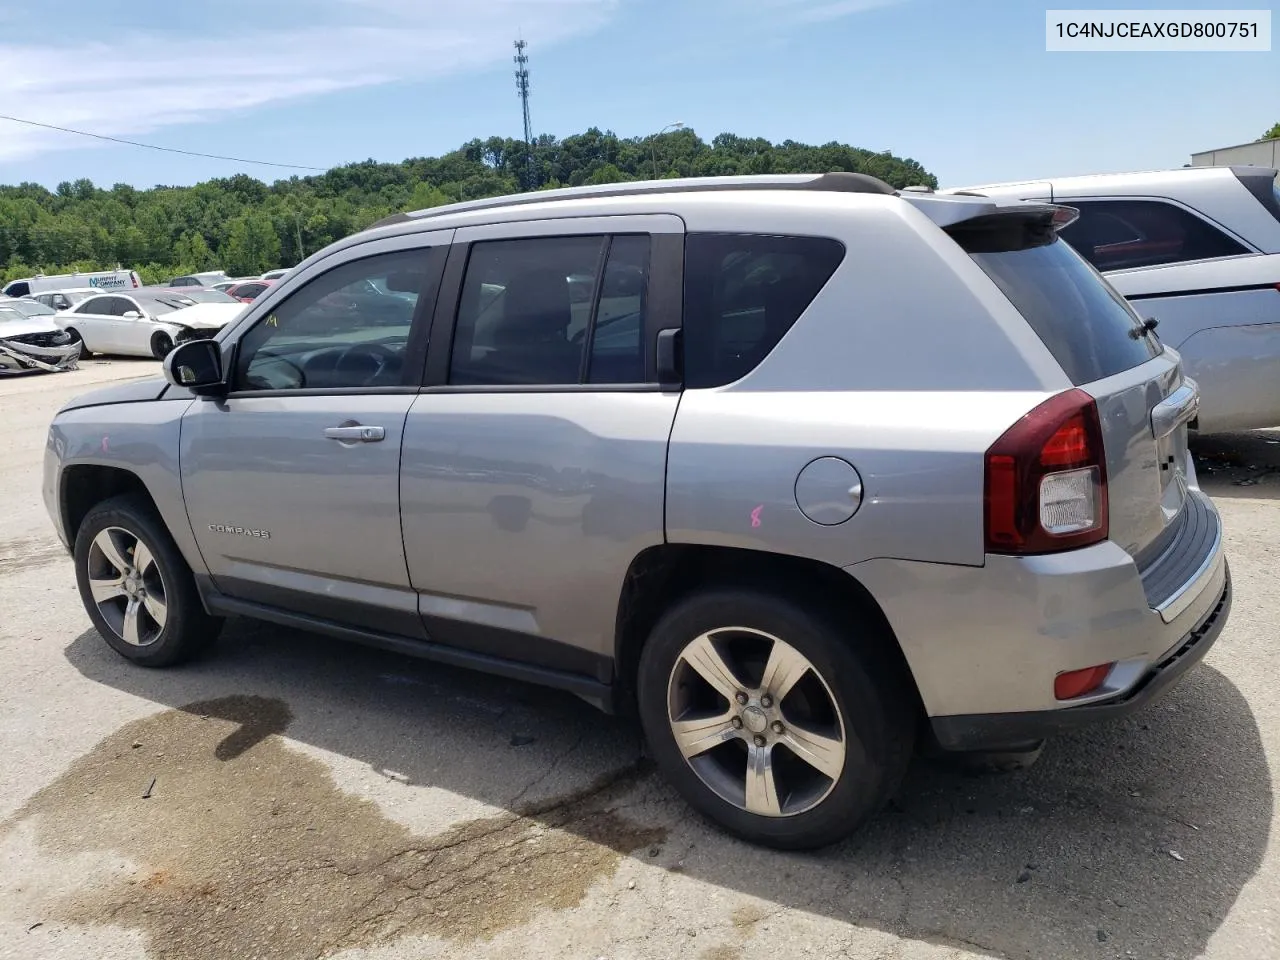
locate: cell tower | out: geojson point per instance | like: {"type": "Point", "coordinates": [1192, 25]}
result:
{"type": "Point", "coordinates": [522, 87]}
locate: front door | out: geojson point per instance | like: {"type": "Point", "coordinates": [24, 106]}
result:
{"type": "Point", "coordinates": [535, 459]}
{"type": "Point", "coordinates": [292, 479]}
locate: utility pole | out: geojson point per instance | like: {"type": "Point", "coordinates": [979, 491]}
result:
{"type": "Point", "coordinates": [653, 142]}
{"type": "Point", "coordinates": [302, 253]}
{"type": "Point", "coordinates": [522, 88]}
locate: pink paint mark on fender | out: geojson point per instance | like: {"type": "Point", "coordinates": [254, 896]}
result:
{"type": "Point", "coordinates": [104, 444]}
{"type": "Point", "coordinates": [755, 515]}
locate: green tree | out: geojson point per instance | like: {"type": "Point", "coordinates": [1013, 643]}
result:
{"type": "Point", "coordinates": [244, 225]}
{"type": "Point", "coordinates": [1272, 134]}
{"type": "Point", "coordinates": [252, 246]}
{"type": "Point", "coordinates": [426, 195]}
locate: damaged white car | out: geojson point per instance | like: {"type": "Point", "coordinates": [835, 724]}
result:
{"type": "Point", "coordinates": [144, 323]}
{"type": "Point", "coordinates": [31, 339]}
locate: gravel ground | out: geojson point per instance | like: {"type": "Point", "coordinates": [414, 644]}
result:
{"type": "Point", "coordinates": [310, 799]}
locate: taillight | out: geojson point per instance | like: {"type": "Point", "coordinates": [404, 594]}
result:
{"type": "Point", "coordinates": [1046, 480]}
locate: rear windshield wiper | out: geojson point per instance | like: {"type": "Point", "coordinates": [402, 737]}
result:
{"type": "Point", "coordinates": [1143, 329]}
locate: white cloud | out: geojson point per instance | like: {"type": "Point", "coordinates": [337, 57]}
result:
{"type": "Point", "coordinates": [140, 81]}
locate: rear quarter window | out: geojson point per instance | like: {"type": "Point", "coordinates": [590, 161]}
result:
{"type": "Point", "coordinates": [1123, 234]}
{"type": "Point", "coordinates": [1089, 328]}
{"type": "Point", "coordinates": [742, 293]}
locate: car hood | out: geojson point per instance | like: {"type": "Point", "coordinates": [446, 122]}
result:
{"type": "Point", "coordinates": [133, 391]}
{"type": "Point", "coordinates": [204, 316]}
{"type": "Point", "coordinates": [20, 328]}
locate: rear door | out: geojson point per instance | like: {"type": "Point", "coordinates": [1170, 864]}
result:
{"type": "Point", "coordinates": [97, 320]}
{"type": "Point", "coordinates": [1144, 401]}
{"type": "Point", "coordinates": [534, 460]}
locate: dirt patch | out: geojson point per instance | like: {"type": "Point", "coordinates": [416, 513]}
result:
{"type": "Point", "coordinates": [247, 848]}
{"type": "Point", "coordinates": [26, 552]}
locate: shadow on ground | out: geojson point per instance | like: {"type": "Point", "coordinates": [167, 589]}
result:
{"type": "Point", "coordinates": [1134, 837]}
{"type": "Point", "coordinates": [1239, 465]}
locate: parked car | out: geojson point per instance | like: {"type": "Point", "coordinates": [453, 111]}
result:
{"type": "Point", "coordinates": [819, 472]}
{"type": "Point", "coordinates": [64, 299]}
{"type": "Point", "coordinates": [225, 285]}
{"type": "Point", "coordinates": [275, 274]}
{"type": "Point", "coordinates": [205, 279]}
{"type": "Point", "coordinates": [144, 323]}
{"type": "Point", "coordinates": [1198, 250]}
{"type": "Point", "coordinates": [30, 339]}
{"type": "Point", "coordinates": [197, 294]}
{"type": "Point", "coordinates": [250, 290]}
{"type": "Point", "coordinates": [99, 280]}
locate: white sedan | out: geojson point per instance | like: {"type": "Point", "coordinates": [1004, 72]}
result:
{"type": "Point", "coordinates": [143, 323]}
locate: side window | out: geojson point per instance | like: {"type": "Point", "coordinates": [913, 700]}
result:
{"type": "Point", "coordinates": [96, 305]}
{"type": "Point", "coordinates": [742, 293]}
{"type": "Point", "coordinates": [1119, 234]}
{"type": "Point", "coordinates": [251, 289]}
{"type": "Point", "coordinates": [617, 340]}
{"type": "Point", "coordinates": [347, 328]}
{"type": "Point", "coordinates": [122, 305]}
{"type": "Point", "coordinates": [525, 315]}
{"type": "Point", "coordinates": [524, 311]}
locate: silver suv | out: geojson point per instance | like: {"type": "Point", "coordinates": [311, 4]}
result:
{"type": "Point", "coordinates": [809, 471]}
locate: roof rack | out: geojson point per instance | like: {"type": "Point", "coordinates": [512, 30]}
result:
{"type": "Point", "coordinates": [837, 182]}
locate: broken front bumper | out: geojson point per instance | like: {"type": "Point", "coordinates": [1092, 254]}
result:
{"type": "Point", "coordinates": [15, 355]}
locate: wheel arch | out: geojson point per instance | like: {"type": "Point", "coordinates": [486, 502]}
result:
{"type": "Point", "coordinates": [661, 575]}
{"type": "Point", "coordinates": [84, 485]}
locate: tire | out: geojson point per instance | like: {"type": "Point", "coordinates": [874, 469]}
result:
{"type": "Point", "coordinates": [76, 338]}
{"type": "Point", "coordinates": [867, 704]}
{"type": "Point", "coordinates": [154, 616]}
{"type": "Point", "coordinates": [161, 344]}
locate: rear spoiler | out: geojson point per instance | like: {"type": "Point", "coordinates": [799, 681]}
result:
{"type": "Point", "coordinates": [970, 211]}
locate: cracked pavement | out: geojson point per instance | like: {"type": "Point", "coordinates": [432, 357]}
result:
{"type": "Point", "coordinates": [313, 799]}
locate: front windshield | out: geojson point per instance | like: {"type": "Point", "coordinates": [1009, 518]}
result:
{"type": "Point", "coordinates": [7, 314]}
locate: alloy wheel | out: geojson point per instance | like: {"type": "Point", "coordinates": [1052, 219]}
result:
{"type": "Point", "coordinates": [127, 586]}
{"type": "Point", "coordinates": [756, 721]}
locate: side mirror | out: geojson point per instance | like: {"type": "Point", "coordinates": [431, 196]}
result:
{"type": "Point", "coordinates": [132, 315]}
{"type": "Point", "coordinates": [195, 365]}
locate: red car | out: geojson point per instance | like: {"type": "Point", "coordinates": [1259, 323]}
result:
{"type": "Point", "coordinates": [250, 290]}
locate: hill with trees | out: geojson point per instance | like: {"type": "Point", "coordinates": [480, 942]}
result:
{"type": "Point", "coordinates": [244, 226]}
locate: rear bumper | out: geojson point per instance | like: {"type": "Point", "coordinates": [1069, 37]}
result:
{"type": "Point", "coordinates": [996, 731]}
{"type": "Point", "coordinates": [984, 644]}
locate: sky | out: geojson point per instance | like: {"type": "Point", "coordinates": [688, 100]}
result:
{"type": "Point", "coordinates": [965, 87]}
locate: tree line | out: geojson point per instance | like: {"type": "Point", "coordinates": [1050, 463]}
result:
{"type": "Point", "coordinates": [245, 227]}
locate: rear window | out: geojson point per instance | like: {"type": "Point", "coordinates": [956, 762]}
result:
{"type": "Point", "coordinates": [742, 293]}
{"type": "Point", "coordinates": [1087, 326]}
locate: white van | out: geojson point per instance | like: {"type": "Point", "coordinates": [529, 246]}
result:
{"type": "Point", "coordinates": [99, 280]}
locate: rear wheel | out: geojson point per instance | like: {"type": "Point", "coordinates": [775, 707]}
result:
{"type": "Point", "coordinates": [778, 722]}
{"type": "Point", "coordinates": [136, 587]}
{"type": "Point", "coordinates": [161, 344]}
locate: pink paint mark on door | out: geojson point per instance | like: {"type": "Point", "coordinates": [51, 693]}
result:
{"type": "Point", "coordinates": [755, 516]}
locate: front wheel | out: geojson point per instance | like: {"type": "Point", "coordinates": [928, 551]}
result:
{"type": "Point", "coordinates": [161, 344]}
{"type": "Point", "coordinates": [780, 723]}
{"type": "Point", "coordinates": [77, 340]}
{"type": "Point", "coordinates": [136, 586]}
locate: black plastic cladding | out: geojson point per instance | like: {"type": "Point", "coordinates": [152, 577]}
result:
{"type": "Point", "coordinates": [838, 182]}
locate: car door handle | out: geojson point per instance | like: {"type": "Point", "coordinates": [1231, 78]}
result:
{"type": "Point", "coordinates": [355, 433]}
{"type": "Point", "coordinates": [1176, 409]}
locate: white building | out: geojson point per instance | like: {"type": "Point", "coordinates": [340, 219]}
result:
{"type": "Point", "coordinates": [1262, 153]}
